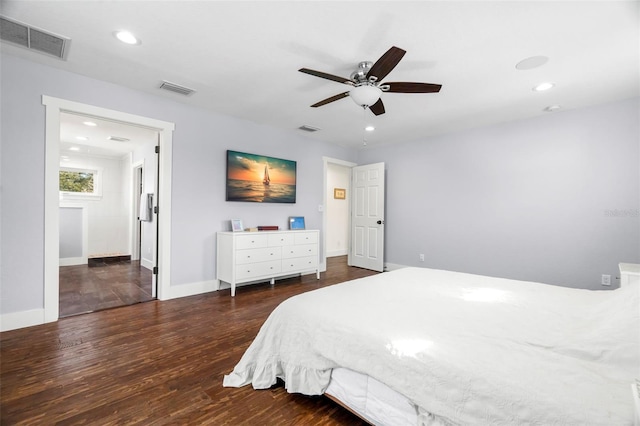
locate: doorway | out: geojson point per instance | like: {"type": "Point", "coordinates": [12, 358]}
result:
{"type": "Point", "coordinates": [103, 174]}
{"type": "Point", "coordinates": [354, 207]}
{"type": "Point", "coordinates": [54, 107]}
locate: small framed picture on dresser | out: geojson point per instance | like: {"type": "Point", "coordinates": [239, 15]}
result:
{"type": "Point", "coordinates": [236, 225]}
{"type": "Point", "coordinates": [296, 222]}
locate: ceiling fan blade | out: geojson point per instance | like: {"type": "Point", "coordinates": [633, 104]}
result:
{"type": "Point", "coordinates": [331, 99]}
{"type": "Point", "coordinates": [386, 63]}
{"type": "Point", "coordinates": [377, 108]}
{"type": "Point", "coordinates": [413, 87]}
{"type": "Point", "coordinates": [325, 75]}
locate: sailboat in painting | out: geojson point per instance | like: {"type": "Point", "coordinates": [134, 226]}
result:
{"type": "Point", "coordinates": [266, 179]}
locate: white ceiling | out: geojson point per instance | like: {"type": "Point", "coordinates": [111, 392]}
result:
{"type": "Point", "coordinates": [95, 138]}
{"type": "Point", "coordinates": [242, 58]}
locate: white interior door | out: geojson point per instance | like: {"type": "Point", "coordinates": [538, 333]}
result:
{"type": "Point", "coordinates": [367, 217]}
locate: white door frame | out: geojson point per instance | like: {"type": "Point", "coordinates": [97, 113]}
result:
{"type": "Point", "coordinates": [136, 169]}
{"type": "Point", "coordinates": [329, 193]}
{"type": "Point", "coordinates": [53, 107]}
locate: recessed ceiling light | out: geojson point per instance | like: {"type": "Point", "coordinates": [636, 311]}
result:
{"type": "Point", "coordinates": [74, 148]}
{"type": "Point", "coordinates": [531, 63]}
{"type": "Point", "coordinates": [126, 37]}
{"type": "Point", "coordinates": [82, 138]}
{"type": "Point", "coordinates": [552, 108]}
{"type": "Point", "coordinates": [89, 123]}
{"type": "Point", "coordinates": [543, 86]}
{"type": "Point", "coordinates": [369, 128]}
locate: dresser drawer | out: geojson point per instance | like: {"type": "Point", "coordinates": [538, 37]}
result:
{"type": "Point", "coordinates": [258, 255]}
{"type": "Point", "coordinates": [299, 263]}
{"type": "Point", "coordinates": [254, 270]}
{"type": "Point", "coordinates": [299, 251]}
{"type": "Point", "coordinates": [280, 239]}
{"type": "Point", "coordinates": [251, 241]}
{"type": "Point", "coordinates": [305, 237]}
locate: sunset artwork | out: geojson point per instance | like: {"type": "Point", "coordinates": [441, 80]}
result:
{"type": "Point", "coordinates": [260, 179]}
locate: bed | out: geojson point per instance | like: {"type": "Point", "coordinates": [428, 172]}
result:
{"type": "Point", "coordinates": [424, 346]}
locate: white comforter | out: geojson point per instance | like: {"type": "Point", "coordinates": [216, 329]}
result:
{"type": "Point", "coordinates": [466, 349]}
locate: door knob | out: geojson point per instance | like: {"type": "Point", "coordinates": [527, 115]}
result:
{"type": "Point", "coordinates": [380, 222]}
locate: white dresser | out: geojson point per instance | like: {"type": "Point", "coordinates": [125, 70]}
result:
{"type": "Point", "coordinates": [265, 255]}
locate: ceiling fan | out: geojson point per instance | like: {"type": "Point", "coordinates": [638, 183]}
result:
{"type": "Point", "coordinates": [367, 84]}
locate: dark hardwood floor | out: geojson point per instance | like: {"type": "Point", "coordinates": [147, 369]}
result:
{"type": "Point", "coordinates": [157, 363]}
{"type": "Point", "coordinates": [85, 288]}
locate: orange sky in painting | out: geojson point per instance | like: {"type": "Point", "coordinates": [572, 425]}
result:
{"type": "Point", "coordinates": [244, 167]}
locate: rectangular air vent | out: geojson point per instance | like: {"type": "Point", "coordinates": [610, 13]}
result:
{"type": "Point", "coordinates": [176, 88]}
{"type": "Point", "coordinates": [307, 128]}
{"type": "Point", "coordinates": [118, 139]}
{"type": "Point", "coordinates": [33, 38]}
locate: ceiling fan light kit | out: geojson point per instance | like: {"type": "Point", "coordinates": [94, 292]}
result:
{"type": "Point", "coordinates": [365, 95]}
{"type": "Point", "coordinates": [367, 82]}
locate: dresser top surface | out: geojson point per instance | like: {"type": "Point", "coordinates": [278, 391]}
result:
{"type": "Point", "coordinates": [266, 232]}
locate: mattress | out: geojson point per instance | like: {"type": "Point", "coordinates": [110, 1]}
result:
{"type": "Point", "coordinates": [370, 399]}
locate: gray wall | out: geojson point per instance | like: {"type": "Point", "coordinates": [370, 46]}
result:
{"type": "Point", "coordinates": [200, 141]}
{"type": "Point", "coordinates": [552, 199]}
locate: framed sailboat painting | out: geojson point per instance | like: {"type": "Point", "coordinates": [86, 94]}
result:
{"type": "Point", "coordinates": [260, 179]}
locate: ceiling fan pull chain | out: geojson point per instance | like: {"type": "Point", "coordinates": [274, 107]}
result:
{"type": "Point", "coordinates": [364, 124]}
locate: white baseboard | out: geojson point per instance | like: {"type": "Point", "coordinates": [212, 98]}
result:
{"type": "Point", "coordinates": [334, 253]}
{"type": "Point", "coordinates": [21, 319]}
{"type": "Point", "coordinates": [393, 266]}
{"type": "Point", "coordinates": [72, 261]}
{"type": "Point", "coordinates": [190, 289]}
{"type": "Point", "coordinates": [146, 263]}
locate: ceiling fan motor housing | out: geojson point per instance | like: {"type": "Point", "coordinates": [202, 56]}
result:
{"type": "Point", "coordinates": [360, 75]}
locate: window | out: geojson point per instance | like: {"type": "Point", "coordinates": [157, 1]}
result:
{"type": "Point", "coordinates": [76, 181]}
{"type": "Point", "coordinates": [79, 182]}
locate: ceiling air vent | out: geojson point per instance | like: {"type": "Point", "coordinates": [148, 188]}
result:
{"type": "Point", "coordinates": [118, 139]}
{"type": "Point", "coordinates": [176, 88]}
{"type": "Point", "coordinates": [307, 128]}
{"type": "Point", "coordinates": [33, 38]}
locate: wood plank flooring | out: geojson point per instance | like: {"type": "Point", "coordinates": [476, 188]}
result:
{"type": "Point", "coordinates": [86, 288]}
{"type": "Point", "coordinates": [157, 363]}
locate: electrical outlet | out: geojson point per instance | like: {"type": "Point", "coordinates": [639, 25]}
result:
{"type": "Point", "coordinates": [606, 279]}
{"type": "Point", "coordinates": [421, 257]}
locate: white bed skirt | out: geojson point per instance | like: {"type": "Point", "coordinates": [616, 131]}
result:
{"type": "Point", "coordinates": [373, 401]}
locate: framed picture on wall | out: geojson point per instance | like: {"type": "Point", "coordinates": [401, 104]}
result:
{"type": "Point", "coordinates": [260, 179]}
{"type": "Point", "coordinates": [236, 225]}
{"type": "Point", "coordinates": [339, 193]}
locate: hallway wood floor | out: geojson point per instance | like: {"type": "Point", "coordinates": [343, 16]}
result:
{"type": "Point", "coordinates": [157, 363]}
{"type": "Point", "coordinates": [86, 288]}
